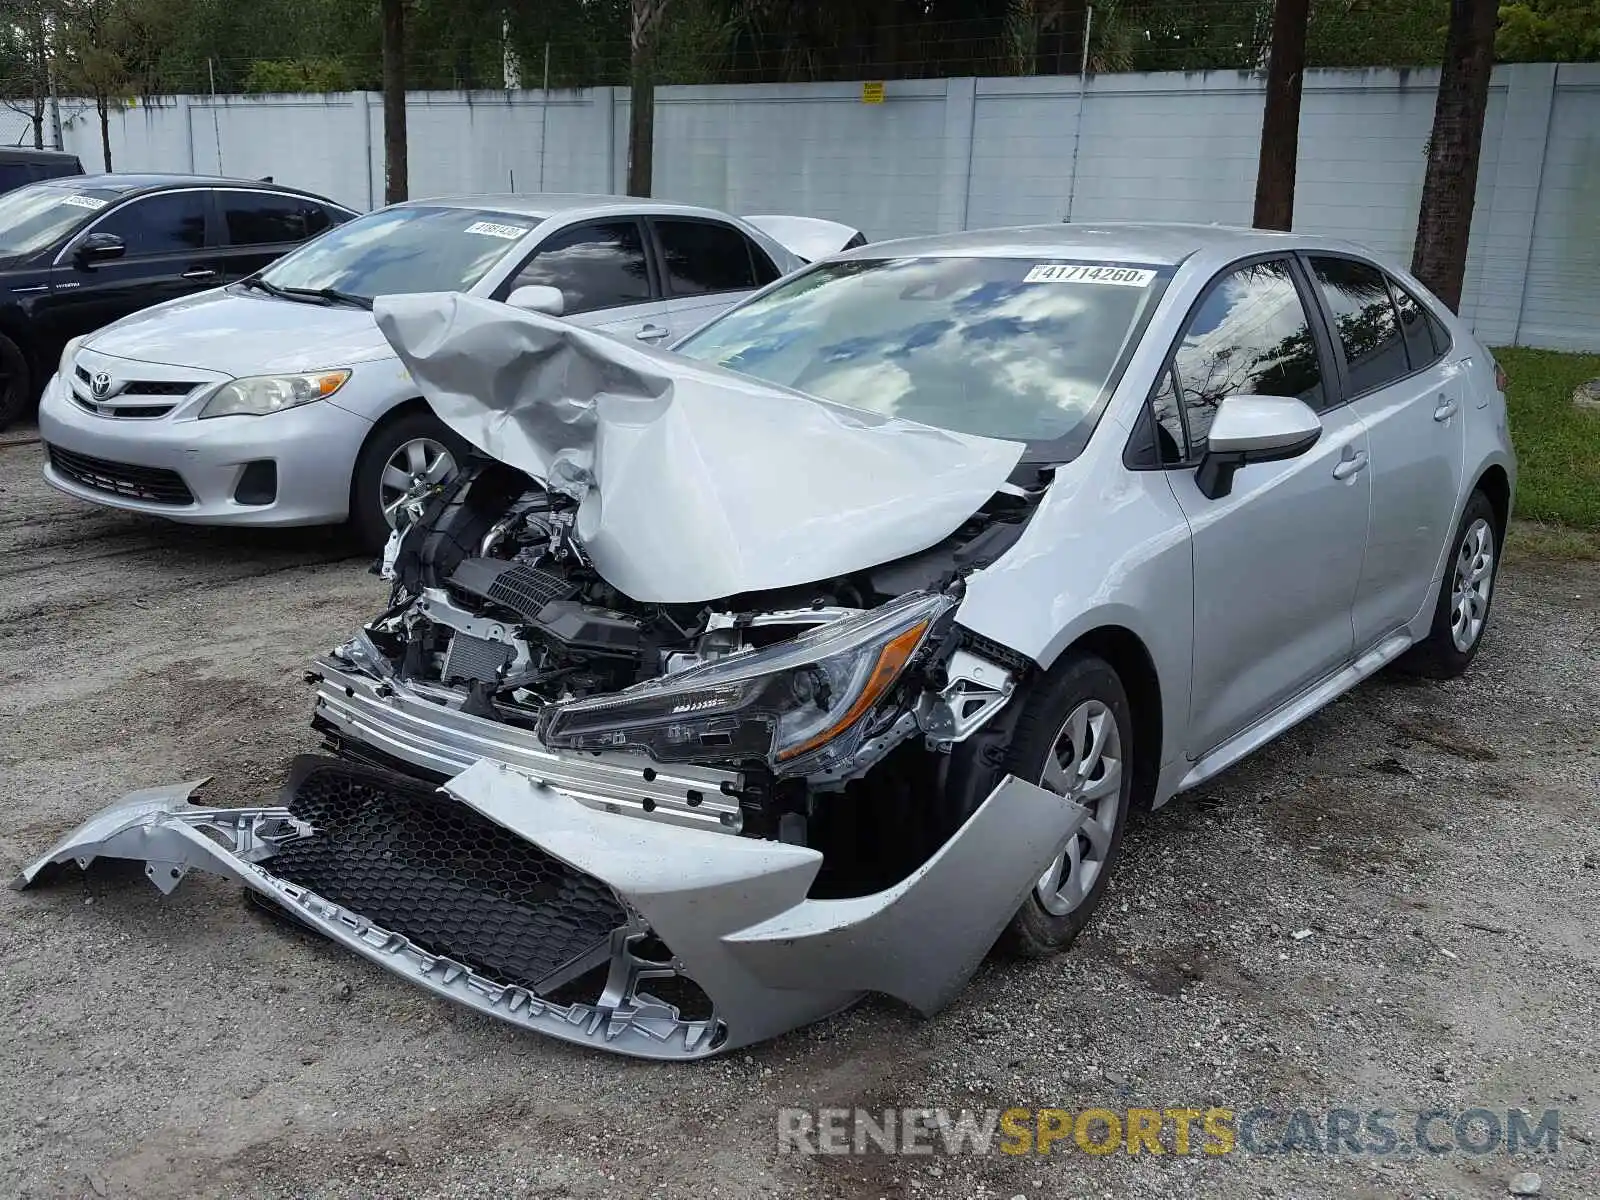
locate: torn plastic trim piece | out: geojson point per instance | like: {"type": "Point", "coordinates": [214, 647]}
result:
{"type": "Point", "coordinates": [734, 911]}
{"type": "Point", "coordinates": [172, 836]}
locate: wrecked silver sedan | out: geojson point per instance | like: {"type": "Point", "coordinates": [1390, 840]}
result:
{"type": "Point", "coordinates": [728, 686]}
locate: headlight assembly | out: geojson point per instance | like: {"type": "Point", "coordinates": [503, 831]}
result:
{"type": "Point", "coordinates": [262, 394]}
{"type": "Point", "coordinates": [801, 705]}
{"type": "Point", "coordinates": [68, 353]}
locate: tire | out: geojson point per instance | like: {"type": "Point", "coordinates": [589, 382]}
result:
{"type": "Point", "coordinates": [1461, 613]}
{"type": "Point", "coordinates": [17, 394]}
{"type": "Point", "coordinates": [1085, 687]}
{"type": "Point", "coordinates": [393, 439]}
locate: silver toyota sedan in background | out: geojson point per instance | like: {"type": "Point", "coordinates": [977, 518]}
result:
{"type": "Point", "coordinates": [276, 401]}
{"type": "Point", "coordinates": [815, 658]}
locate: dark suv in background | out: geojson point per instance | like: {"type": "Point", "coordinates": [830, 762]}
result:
{"type": "Point", "coordinates": [80, 252]}
{"type": "Point", "coordinates": [20, 166]}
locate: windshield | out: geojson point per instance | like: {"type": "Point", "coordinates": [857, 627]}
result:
{"type": "Point", "coordinates": [402, 250]}
{"type": "Point", "coordinates": [1007, 348]}
{"type": "Point", "coordinates": [39, 214]}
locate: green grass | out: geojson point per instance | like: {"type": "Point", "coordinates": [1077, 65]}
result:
{"type": "Point", "coordinates": [1558, 444]}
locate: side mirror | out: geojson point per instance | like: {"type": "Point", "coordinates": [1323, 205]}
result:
{"type": "Point", "coordinates": [98, 248]}
{"type": "Point", "coordinates": [1253, 429]}
{"type": "Point", "coordinates": [538, 298]}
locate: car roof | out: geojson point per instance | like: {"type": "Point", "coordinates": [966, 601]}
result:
{"type": "Point", "coordinates": [149, 182]}
{"type": "Point", "coordinates": [543, 205]}
{"type": "Point", "coordinates": [1149, 242]}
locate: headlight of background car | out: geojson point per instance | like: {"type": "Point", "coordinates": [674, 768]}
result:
{"type": "Point", "coordinates": [802, 705]}
{"type": "Point", "coordinates": [68, 353]}
{"type": "Point", "coordinates": [263, 394]}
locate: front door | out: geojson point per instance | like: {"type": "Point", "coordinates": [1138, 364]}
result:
{"type": "Point", "coordinates": [604, 277]}
{"type": "Point", "coordinates": [166, 257]}
{"type": "Point", "coordinates": [1276, 561]}
{"type": "Point", "coordinates": [1410, 397]}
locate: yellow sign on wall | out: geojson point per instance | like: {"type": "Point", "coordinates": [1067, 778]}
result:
{"type": "Point", "coordinates": [872, 93]}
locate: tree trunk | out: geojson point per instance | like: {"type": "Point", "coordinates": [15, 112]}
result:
{"type": "Point", "coordinates": [102, 104]}
{"type": "Point", "coordinates": [394, 101]}
{"type": "Point", "coordinates": [646, 16]}
{"type": "Point", "coordinates": [1445, 221]}
{"type": "Point", "coordinates": [1280, 122]}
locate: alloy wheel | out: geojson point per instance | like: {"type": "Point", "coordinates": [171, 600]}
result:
{"type": "Point", "coordinates": [418, 461]}
{"type": "Point", "coordinates": [1084, 765]}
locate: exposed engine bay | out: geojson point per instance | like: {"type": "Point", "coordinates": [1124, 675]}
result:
{"type": "Point", "coordinates": [496, 612]}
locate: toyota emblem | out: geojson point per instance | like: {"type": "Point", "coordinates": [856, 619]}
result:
{"type": "Point", "coordinates": [100, 385]}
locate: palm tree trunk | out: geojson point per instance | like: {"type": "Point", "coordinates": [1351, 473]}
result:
{"type": "Point", "coordinates": [102, 104]}
{"type": "Point", "coordinates": [394, 101]}
{"type": "Point", "coordinates": [1444, 223]}
{"type": "Point", "coordinates": [1280, 122]}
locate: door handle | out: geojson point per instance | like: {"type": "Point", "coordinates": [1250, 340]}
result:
{"type": "Point", "coordinates": [1447, 408]}
{"type": "Point", "coordinates": [651, 333]}
{"type": "Point", "coordinates": [200, 273]}
{"type": "Point", "coordinates": [1351, 464]}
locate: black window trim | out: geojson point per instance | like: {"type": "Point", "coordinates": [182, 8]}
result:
{"type": "Point", "coordinates": [225, 239]}
{"type": "Point", "coordinates": [658, 252]}
{"type": "Point", "coordinates": [127, 202]}
{"type": "Point", "coordinates": [1332, 383]}
{"type": "Point", "coordinates": [1338, 347]}
{"type": "Point", "coordinates": [503, 289]}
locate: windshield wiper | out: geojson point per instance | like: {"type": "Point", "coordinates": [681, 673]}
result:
{"type": "Point", "coordinates": [324, 296]}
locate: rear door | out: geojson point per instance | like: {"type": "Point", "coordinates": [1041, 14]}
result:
{"type": "Point", "coordinates": [1409, 395]}
{"type": "Point", "coordinates": [706, 267]}
{"type": "Point", "coordinates": [604, 275]}
{"type": "Point", "coordinates": [169, 253]}
{"type": "Point", "coordinates": [260, 226]}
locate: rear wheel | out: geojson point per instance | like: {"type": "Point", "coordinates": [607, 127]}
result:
{"type": "Point", "coordinates": [1075, 737]}
{"type": "Point", "coordinates": [16, 383]}
{"type": "Point", "coordinates": [1461, 613]}
{"type": "Point", "coordinates": [400, 453]}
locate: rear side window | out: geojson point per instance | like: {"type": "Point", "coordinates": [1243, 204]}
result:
{"type": "Point", "coordinates": [597, 265]}
{"type": "Point", "coordinates": [162, 224]}
{"type": "Point", "coordinates": [1250, 336]}
{"type": "Point", "coordinates": [1420, 347]}
{"type": "Point", "coordinates": [1364, 318]}
{"type": "Point", "coordinates": [267, 218]}
{"type": "Point", "coordinates": [704, 256]}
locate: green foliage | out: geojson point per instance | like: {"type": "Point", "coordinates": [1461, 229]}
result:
{"type": "Point", "coordinates": [298, 75]}
{"type": "Point", "coordinates": [1549, 31]}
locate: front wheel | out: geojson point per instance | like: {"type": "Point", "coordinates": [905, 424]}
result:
{"type": "Point", "coordinates": [414, 448]}
{"type": "Point", "coordinates": [1075, 738]}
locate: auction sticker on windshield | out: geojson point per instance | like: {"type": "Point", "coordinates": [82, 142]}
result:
{"type": "Point", "coordinates": [509, 232]}
{"type": "Point", "coordinates": [1080, 273]}
{"type": "Point", "coordinates": [94, 203]}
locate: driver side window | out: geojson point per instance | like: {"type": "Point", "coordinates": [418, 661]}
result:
{"type": "Point", "coordinates": [1249, 336]}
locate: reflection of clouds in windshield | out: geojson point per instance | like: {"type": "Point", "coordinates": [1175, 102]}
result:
{"type": "Point", "coordinates": [33, 217]}
{"type": "Point", "coordinates": [402, 250]}
{"type": "Point", "coordinates": [960, 343]}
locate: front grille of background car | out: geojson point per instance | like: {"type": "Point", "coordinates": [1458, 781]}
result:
{"type": "Point", "coordinates": [459, 886]}
{"type": "Point", "coordinates": [155, 484]}
{"type": "Point", "coordinates": [114, 407]}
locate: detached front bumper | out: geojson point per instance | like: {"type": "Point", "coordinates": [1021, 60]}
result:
{"type": "Point", "coordinates": [597, 927]}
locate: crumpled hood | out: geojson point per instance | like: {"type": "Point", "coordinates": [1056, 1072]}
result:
{"type": "Point", "coordinates": [244, 333]}
{"type": "Point", "coordinates": [695, 483]}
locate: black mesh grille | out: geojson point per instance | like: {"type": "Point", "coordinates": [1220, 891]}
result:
{"type": "Point", "coordinates": [525, 590]}
{"type": "Point", "coordinates": [156, 484]}
{"type": "Point", "coordinates": [458, 885]}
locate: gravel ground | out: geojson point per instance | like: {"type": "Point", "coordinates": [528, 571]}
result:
{"type": "Point", "coordinates": [1438, 842]}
